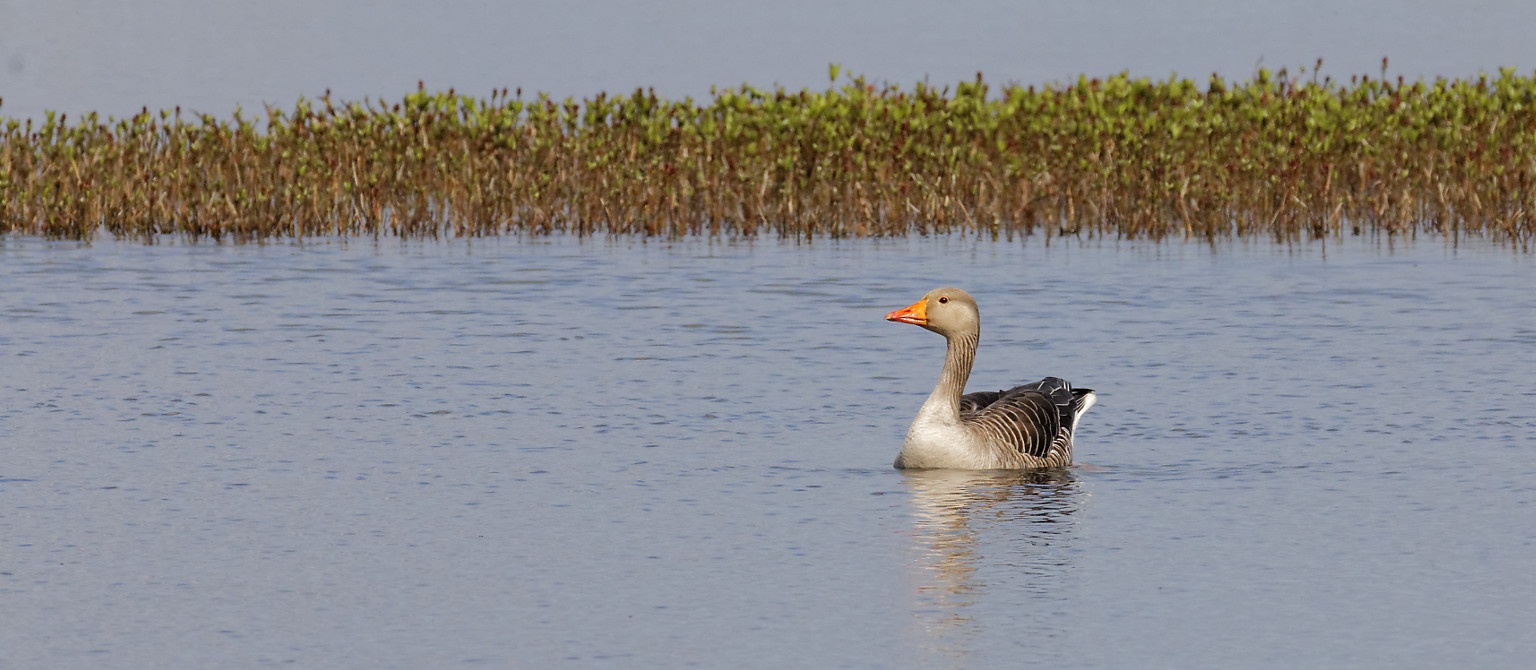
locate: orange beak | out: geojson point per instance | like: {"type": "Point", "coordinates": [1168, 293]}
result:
{"type": "Point", "coordinates": [916, 314]}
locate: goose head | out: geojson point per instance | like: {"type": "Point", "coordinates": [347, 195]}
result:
{"type": "Point", "coordinates": [946, 311]}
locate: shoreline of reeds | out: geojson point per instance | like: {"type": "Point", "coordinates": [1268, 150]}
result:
{"type": "Point", "coordinates": [1280, 157]}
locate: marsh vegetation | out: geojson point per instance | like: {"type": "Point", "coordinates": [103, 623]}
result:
{"type": "Point", "coordinates": [1280, 156]}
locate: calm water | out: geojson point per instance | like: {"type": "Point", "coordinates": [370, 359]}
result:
{"type": "Point", "coordinates": [514, 454]}
{"type": "Point", "coordinates": [80, 56]}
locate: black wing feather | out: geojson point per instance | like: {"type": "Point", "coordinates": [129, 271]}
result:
{"type": "Point", "coordinates": [1028, 417]}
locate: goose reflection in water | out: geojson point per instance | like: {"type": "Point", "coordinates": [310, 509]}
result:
{"type": "Point", "coordinates": [991, 549]}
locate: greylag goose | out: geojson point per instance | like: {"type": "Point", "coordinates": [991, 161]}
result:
{"type": "Point", "coordinates": [1027, 426]}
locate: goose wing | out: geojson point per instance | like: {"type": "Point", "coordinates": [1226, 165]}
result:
{"type": "Point", "coordinates": [1034, 419]}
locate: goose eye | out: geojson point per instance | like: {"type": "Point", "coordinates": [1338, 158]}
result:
{"type": "Point", "coordinates": [943, 300]}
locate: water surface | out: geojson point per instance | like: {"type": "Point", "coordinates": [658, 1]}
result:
{"type": "Point", "coordinates": [77, 56]}
{"type": "Point", "coordinates": [517, 453]}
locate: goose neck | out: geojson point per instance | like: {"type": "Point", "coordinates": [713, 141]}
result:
{"type": "Point", "coordinates": [959, 355]}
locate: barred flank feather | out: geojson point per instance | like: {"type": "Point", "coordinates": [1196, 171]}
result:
{"type": "Point", "coordinates": [1035, 421]}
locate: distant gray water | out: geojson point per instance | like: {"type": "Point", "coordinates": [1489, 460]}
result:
{"type": "Point", "coordinates": [542, 453]}
{"type": "Point", "coordinates": [80, 56]}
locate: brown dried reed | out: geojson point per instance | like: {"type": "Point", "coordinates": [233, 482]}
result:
{"type": "Point", "coordinates": [1272, 157]}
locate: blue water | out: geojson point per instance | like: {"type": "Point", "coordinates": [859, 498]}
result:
{"type": "Point", "coordinates": [526, 453]}
{"type": "Point", "coordinates": [114, 58]}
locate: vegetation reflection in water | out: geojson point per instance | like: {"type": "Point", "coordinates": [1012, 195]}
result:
{"type": "Point", "coordinates": [1278, 156]}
